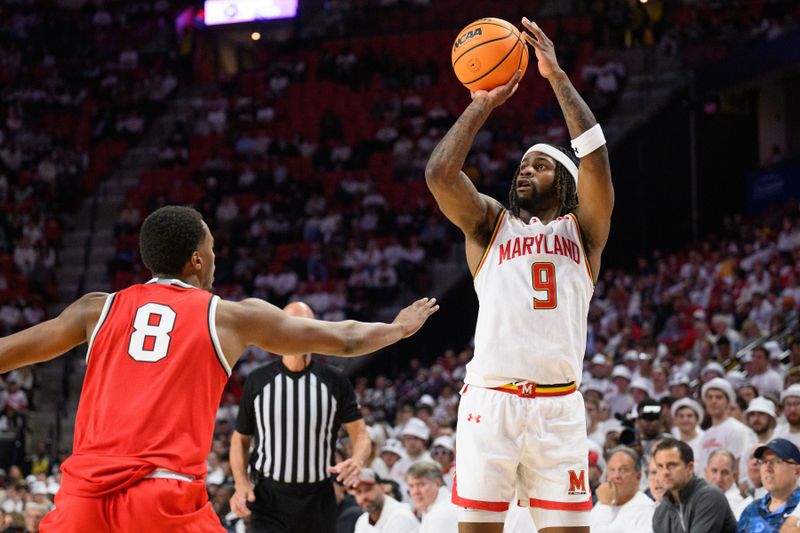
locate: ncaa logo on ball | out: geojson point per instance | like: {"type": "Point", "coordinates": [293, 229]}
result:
{"type": "Point", "coordinates": [474, 64]}
{"type": "Point", "coordinates": [471, 34]}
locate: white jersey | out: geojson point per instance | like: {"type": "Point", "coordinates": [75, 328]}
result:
{"type": "Point", "coordinates": [534, 284]}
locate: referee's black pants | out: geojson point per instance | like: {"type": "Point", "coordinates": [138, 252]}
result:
{"type": "Point", "coordinates": [293, 507]}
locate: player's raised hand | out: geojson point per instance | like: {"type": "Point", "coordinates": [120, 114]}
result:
{"type": "Point", "coordinates": [412, 317]}
{"type": "Point", "coordinates": [499, 95]}
{"type": "Point", "coordinates": [243, 494]}
{"type": "Point", "coordinates": [545, 51]}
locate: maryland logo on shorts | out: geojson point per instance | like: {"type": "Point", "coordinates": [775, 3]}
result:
{"type": "Point", "coordinates": [577, 483]}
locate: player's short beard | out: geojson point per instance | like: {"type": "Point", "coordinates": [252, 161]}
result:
{"type": "Point", "coordinates": [539, 200]}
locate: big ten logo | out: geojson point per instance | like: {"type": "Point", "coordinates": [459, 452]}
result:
{"type": "Point", "coordinates": [466, 36]}
{"type": "Point", "coordinates": [577, 483]}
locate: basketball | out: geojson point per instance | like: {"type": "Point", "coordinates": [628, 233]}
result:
{"type": "Point", "coordinates": [487, 53]}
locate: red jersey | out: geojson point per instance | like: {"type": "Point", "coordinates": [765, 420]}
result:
{"type": "Point", "coordinates": [154, 378]}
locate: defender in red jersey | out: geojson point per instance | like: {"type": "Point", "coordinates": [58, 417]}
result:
{"type": "Point", "coordinates": [158, 358]}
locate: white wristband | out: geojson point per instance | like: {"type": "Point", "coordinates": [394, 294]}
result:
{"type": "Point", "coordinates": [588, 141]}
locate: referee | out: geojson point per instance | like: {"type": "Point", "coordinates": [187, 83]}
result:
{"type": "Point", "coordinates": [291, 411]}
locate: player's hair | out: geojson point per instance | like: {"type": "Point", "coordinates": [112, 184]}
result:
{"type": "Point", "coordinates": [566, 189]}
{"type": "Point", "coordinates": [428, 469]}
{"type": "Point", "coordinates": [685, 451]}
{"type": "Point", "coordinates": [630, 452]}
{"type": "Point", "coordinates": [168, 238]}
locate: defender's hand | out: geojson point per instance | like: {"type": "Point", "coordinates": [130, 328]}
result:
{"type": "Point", "coordinates": [412, 317]}
{"type": "Point", "coordinates": [545, 52]}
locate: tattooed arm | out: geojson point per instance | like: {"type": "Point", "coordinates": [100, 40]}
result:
{"type": "Point", "coordinates": [595, 190]}
{"type": "Point", "coordinates": [474, 213]}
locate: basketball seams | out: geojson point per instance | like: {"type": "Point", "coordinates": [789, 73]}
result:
{"type": "Point", "coordinates": [510, 34]}
{"type": "Point", "coordinates": [522, 53]}
{"type": "Point", "coordinates": [497, 65]}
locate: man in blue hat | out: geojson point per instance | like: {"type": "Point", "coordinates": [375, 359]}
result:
{"type": "Point", "coordinates": [779, 463]}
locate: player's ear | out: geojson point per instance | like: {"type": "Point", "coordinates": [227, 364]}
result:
{"type": "Point", "coordinates": [196, 262]}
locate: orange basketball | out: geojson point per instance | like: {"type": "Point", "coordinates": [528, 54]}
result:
{"type": "Point", "coordinates": [487, 53]}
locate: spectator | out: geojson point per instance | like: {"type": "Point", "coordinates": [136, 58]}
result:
{"type": "Point", "coordinates": [597, 467]}
{"type": "Point", "coordinates": [754, 486]}
{"type": "Point", "coordinates": [649, 423]}
{"type": "Point", "coordinates": [690, 503]}
{"type": "Point", "coordinates": [790, 400]}
{"type": "Point", "coordinates": [443, 452]}
{"type": "Point", "coordinates": [686, 415]}
{"type": "Point", "coordinates": [779, 462]}
{"type": "Point", "coordinates": [392, 453]}
{"type": "Point", "coordinates": [620, 505]}
{"type": "Point", "coordinates": [16, 397]}
{"type": "Point", "coordinates": [722, 471]}
{"type": "Point", "coordinates": [764, 378]}
{"type": "Point", "coordinates": [621, 401]}
{"type": "Point", "coordinates": [382, 513]}
{"type": "Point", "coordinates": [347, 510]}
{"type": "Point", "coordinates": [34, 512]}
{"type": "Point", "coordinates": [760, 417]}
{"type": "Point", "coordinates": [415, 435]}
{"type": "Point", "coordinates": [725, 431]}
{"type": "Point", "coordinates": [655, 490]}
{"type": "Point", "coordinates": [431, 498]}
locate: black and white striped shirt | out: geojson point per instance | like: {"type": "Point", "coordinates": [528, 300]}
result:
{"type": "Point", "coordinates": [295, 418]}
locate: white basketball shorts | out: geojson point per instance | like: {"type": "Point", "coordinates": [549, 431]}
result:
{"type": "Point", "coordinates": [536, 446]}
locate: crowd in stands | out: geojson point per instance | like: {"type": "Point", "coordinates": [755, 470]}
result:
{"type": "Point", "coordinates": [74, 95]}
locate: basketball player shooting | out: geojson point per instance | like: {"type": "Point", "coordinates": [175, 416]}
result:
{"type": "Point", "coordinates": [521, 421]}
{"type": "Point", "coordinates": [158, 358]}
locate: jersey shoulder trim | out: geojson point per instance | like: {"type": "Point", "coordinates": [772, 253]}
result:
{"type": "Point", "coordinates": [103, 315]}
{"type": "Point", "coordinates": [583, 246]}
{"type": "Point", "coordinates": [212, 331]}
{"type": "Point", "coordinates": [500, 217]}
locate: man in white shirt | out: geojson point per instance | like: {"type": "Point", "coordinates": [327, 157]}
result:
{"type": "Point", "coordinates": [621, 401]}
{"type": "Point", "coordinates": [790, 400]}
{"type": "Point", "coordinates": [764, 378]}
{"type": "Point", "coordinates": [414, 435]}
{"type": "Point", "coordinates": [621, 507]}
{"type": "Point", "coordinates": [431, 498]}
{"type": "Point", "coordinates": [686, 417]}
{"type": "Point", "coordinates": [725, 431]}
{"type": "Point", "coordinates": [760, 417]}
{"type": "Point", "coordinates": [382, 513]}
{"type": "Point", "coordinates": [722, 471]}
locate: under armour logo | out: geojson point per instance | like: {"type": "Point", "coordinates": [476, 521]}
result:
{"type": "Point", "coordinates": [476, 418]}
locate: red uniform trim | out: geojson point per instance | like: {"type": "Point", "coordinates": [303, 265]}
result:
{"type": "Point", "coordinates": [497, 507]}
{"type": "Point", "coordinates": [538, 390]}
{"type": "Point", "coordinates": [583, 247]}
{"type": "Point", "coordinates": [497, 224]}
{"type": "Point", "coordinates": [561, 506]}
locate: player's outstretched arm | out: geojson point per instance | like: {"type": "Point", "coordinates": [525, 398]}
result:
{"type": "Point", "coordinates": [255, 321]}
{"type": "Point", "coordinates": [459, 200]}
{"type": "Point", "coordinates": [595, 190]}
{"type": "Point", "coordinates": [54, 337]}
